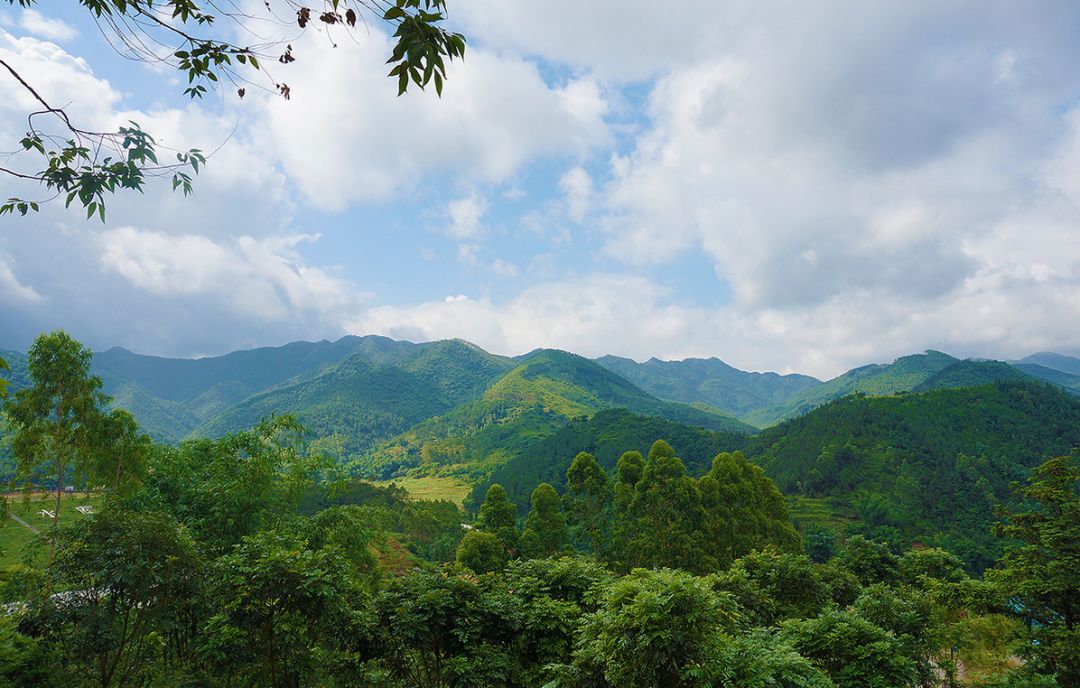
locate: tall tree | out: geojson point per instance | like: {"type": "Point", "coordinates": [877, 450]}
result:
{"type": "Point", "coordinates": [228, 488]}
{"type": "Point", "coordinates": [587, 497]}
{"type": "Point", "coordinates": [138, 578]}
{"type": "Point", "coordinates": [1041, 564]}
{"type": "Point", "coordinates": [666, 514]}
{"type": "Point", "coordinates": [121, 463]}
{"type": "Point", "coordinates": [499, 517]}
{"type": "Point", "coordinates": [482, 552]}
{"type": "Point", "coordinates": [653, 629]}
{"type": "Point", "coordinates": [628, 473]}
{"type": "Point", "coordinates": [743, 510]}
{"type": "Point", "coordinates": [546, 520]}
{"type": "Point", "coordinates": [57, 418]}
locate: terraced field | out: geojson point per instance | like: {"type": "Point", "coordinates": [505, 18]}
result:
{"type": "Point", "coordinates": [816, 511]}
{"type": "Point", "coordinates": [432, 488]}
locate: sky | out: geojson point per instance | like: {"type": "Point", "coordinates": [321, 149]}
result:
{"type": "Point", "coordinates": [788, 186]}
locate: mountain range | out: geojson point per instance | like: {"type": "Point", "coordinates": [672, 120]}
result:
{"type": "Point", "coordinates": [372, 389]}
{"type": "Point", "coordinates": [920, 448]}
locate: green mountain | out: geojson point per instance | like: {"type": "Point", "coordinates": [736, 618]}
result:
{"type": "Point", "coordinates": [926, 466]}
{"type": "Point", "coordinates": [530, 402]}
{"type": "Point", "coordinates": [366, 399]}
{"type": "Point", "coordinates": [764, 399]}
{"type": "Point", "coordinates": [1055, 377]}
{"type": "Point", "coordinates": [1059, 362]}
{"type": "Point", "coordinates": [969, 373]}
{"type": "Point", "coordinates": [903, 374]}
{"type": "Point", "coordinates": [711, 381]}
{"type": "Point", "coordinates": [17, 377]}
{"type": "Point", "coordinates": [573, 385]}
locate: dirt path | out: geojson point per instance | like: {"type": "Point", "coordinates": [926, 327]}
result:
{"type": "Point", "coordinates": [24, 523]}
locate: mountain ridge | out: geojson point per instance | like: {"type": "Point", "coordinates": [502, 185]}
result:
{"type": "Point", "coordinates": [178, 398]}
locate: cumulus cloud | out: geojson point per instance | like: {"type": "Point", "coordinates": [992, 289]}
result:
{"type": "Point", "coordinates": [916, 161]}
{"type": "Point", "coordinates": [239, 190]}
{"type": "Point", "coordinates": [636, 317]}
{"type": "Point", "coordinates": [346, 138]}
{"type": "Point", "coordinates": [45, 27]}
{"type": "Point", "coordinates": [261, 278]}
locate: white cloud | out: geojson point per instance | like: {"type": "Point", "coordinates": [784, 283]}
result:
{"type": "Point", "coordinates": [617, 39]}
{"type": "Point", "coordinates": [45, 27]}
{"type": "Point", "coordinates": [60, 78]}
{"type": "Point", "coordinates": [12, 290]}
{"type": "Point", "coordinates": [872, 160]}
{"type": "Point", "coordinates": [466, 215]}
{"type": "Point", "coordinates": [635, 317]}
{"type": "Point", "coordinates": [240, 189]}
{"type": "Point", "coordinates": [503, 268]}
{"type": "Point", "coordinates": [577, 186]}
{"type": "Point", "coordinates": [345, 138]}
{"type": "Point", "coordinates": [263, 278]}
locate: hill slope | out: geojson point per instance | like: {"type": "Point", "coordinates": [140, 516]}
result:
{"type": "Point", "coordinates": [367, 401]}
{"type": "Point", "coordinates": [539, 396]}
{"type": "Point", "coordinates": [1059, 362]}
{"type": "Point", "coordinates": [710, 381]}
{"type": "Point", "coordinates": [573, 385]}
{"type": "Point", "coordinates": [927, 466]}
{"type": "Point", "coordinates": [903, 374]}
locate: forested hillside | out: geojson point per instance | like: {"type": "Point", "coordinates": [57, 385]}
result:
{"type": "Point", "coordinates": [764, 399]}
{"type": "Point", "coordinates": [923, 466]}
{"type": "Point", "coordinates": [364, 401]}
{"type": "Point", "coordinates": [530, 403]}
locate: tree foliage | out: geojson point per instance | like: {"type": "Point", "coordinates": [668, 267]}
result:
{"type": "Point", "coordinates": [200, 35]}
{"type": "Point", "coordinates": [249, 560]}
{"type": "Point", "coordinates": [57, 420]}
{"type": "Point", "coordinates": [1041, 564]}
{"type": "Point", "coordinates": [546, 522]}
{"type": "Point", "coordinates": [499, 517]}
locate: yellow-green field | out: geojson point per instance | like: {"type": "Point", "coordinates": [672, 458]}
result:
{"type": "Point", "coordinates": [816, 511]}
{"type": "Point", "coordinates": [14, 536]}
{"type": "Point", "coordinates": [432, 488]}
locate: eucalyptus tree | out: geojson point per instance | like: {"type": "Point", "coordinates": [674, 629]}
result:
{"type": "Point", "coordinates": [498, 516]}
{"type": "Point", "coordinates": [546, 522]}
{"type": "Point", "coordinates": [587, 498]}
{"type": "Point", "coordinates": [58, 418]}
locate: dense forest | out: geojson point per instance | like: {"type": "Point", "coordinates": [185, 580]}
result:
{"type": "Point", "coordinates": [257, 559]}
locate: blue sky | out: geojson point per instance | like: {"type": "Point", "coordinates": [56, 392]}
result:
{"type": "Point", "coordinates": [786, 187]}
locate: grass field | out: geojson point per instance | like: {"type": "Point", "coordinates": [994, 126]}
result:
{"type": "Point", "coordinates": [432, 488]}
{"type": "Point", "coordinates": [817, 511]}
{"type": "Point", "coordinates": [14, 536]}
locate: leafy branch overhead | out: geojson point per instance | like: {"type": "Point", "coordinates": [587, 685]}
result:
{"type": "Point", "coordinates": [82, 165]}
